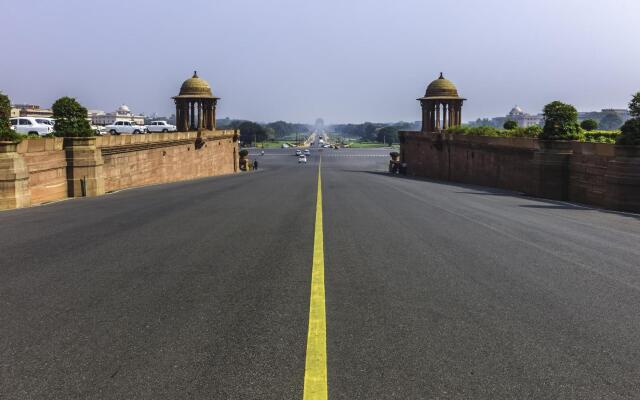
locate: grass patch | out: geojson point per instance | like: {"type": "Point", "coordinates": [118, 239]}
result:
{"type": "Point", "coordinates": [368, 145]}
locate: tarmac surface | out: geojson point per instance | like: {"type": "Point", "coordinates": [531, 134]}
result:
{"type": "Point", "coordinates": [434, 290]}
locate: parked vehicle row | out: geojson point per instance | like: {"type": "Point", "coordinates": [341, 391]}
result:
{"type": "Point", "coordinates": [46, 126]}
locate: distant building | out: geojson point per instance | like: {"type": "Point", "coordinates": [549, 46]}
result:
{"type": "Point", "coordinates": [123, 113]}
{"type": "Point", "coordinates": [33, 110]}
{"type": "Point", "coordinates": [516, 114]}
{"type": "Point", "coordinates": [523, 119]}
{"type": "Point", "coordinates": [15, 112]}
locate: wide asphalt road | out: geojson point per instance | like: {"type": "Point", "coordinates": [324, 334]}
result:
{"type": "Point", "coordinates": [201, 290]}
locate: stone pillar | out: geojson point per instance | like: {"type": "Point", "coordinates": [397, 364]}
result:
{"type": "Point", "coordinates": [432, 124]}
{"type": "Point", "coordinates": [14, 178]}
{"type": "Point", "coordinates": [437, 126]}
{"type": "Point", "coordinates": [453, 120]}
{"type": "Point", "coordinates": [445, 110]}
{"type": "Point", "coordinates": [623, 179]}
{"type": "Point", "coordinates": [214, 103]}
{"type": "Point", "coordinates": [84, 167]}
{"type": "Point", "coordinates": [425, 115]}
{"type": "Point", "coordinates": [200, 118]}
{"type": "Point", "coordinates": [185, 115]}
{"type": "Point", "coordinates": [192, 117]}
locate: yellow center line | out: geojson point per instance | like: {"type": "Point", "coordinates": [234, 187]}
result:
{"type": "Point", "coordinates": [315, 372]}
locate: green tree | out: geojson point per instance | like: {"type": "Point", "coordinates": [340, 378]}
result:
{"type": "Point", "coordinates": [509, 125]}
{"type": "Point", "coordinates": [611, 122]}
{"type": "Point", "coordinates": [630, 133]}
{"type": "Point", "coordinates": [560, 122]}
{"type": "Point", "coordinates": [71, 118]}
{"type": "Point", "coordinates": [634, 105]}
{"type": "Point", "coordinates": [387, 134]}
{"type": "Point", "coordinates": [6, 133]}
{"type": "Point", "coordinates": [369, 132]}
{"type": "Point", "coordinates": [589, 124]}
{"type": "Point", "coordinates": [252, 132]}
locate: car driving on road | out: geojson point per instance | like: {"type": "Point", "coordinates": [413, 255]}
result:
{"type": "Point", "coordinates": [307, 152]}
{"type": "Point", "coordinates": [120, 127]}
{"type": "Point", "coordinates": [302, 159]}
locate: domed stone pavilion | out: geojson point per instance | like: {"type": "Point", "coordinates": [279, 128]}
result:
{"type": "Point", "coordinates": [195, 105]}
{"type": "Point", "coordinates": [441, 106]}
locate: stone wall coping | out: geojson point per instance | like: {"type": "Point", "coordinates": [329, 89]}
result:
{"type": "Point", "coordinates": [154, 138]}
{"type": "Point", "coordinates": [40, 145]}
{"type": "Point", "coordinates": [600, 149]}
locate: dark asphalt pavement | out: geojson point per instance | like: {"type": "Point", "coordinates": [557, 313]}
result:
{"type": "Point", "coordinates": [200, 290]}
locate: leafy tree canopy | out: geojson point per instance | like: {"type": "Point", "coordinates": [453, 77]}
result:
{"type": "Point", "coordinates": [71, 118]}
{"type": "Point", "coordinates": [6, 133]}
{"type": "Point", "coordinates": [634, 105]}
{"type": "Point", "coordinates": [560, 122]}
{"type": "Point", "coordinates": [589, 124]}
{"type": "Point", "coordinates": [630, 133]}
{"type": "Point", "coordinates": [509, 125]}
{"type": "Point", "coordinates": [252, 131]}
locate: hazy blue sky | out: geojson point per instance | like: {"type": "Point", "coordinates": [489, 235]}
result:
{"type": "Point", "coordinates": [344, 60]}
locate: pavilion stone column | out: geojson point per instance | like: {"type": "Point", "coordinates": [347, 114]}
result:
{"type": "Point", "coordinates": [437, 127]}
{"type": "Point", "coordinates": [432, 125]}
{"type": "Point", "coordinates": [84, 167]}
{"type": "Point", "coordinates": [453, 119]}
{"type": "Point", "coordinates": [425, 116]}
{"type": "Point", "coordinates": [192, 123]}
{"type": "Point", "coordinates": [445, 110]}
{"type": "Point", "coordinates": [14, 178]}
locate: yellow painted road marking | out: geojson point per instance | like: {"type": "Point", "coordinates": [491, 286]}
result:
{"type": "Point", "coordinates": [315, 372]}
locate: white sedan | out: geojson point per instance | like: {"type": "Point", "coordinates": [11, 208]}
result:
{"type": "Point", "coordinates": [129, 127]}
{"type": "Point", "coordinates": [302, 159]}
{"type": "Point", "coordinates": [161, 126]}
{"type": "Point", "coordinates": [32, 126]}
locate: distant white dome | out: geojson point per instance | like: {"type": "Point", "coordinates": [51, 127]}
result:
{"type": "Point", "coordinates": [516, 111]}
{"type": "Point", "coordinates": [124, 109]}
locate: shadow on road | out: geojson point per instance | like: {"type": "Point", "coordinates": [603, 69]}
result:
{"type": "Point", "coordinates": [488, 191]}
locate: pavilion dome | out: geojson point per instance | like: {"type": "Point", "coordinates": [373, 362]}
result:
{"type": "Point", "coordinates": [441, 87]}
{"type": "Point", "coordinates": [516, 111]}
{"type": "Point", "coordinates": [195, 87]}
{"type": "Point", "coordinates": [124, 109]}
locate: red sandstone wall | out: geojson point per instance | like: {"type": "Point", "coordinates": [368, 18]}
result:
{"type": "Point", "coordinates": [131, 160]}
{"type": "Point", "coordinates": [47, 164]}
{"type": "Point", "coordinates": [161, 158]}
{"type": "Point", "coordinates": [587, 170]}
{"type": "Point", "coordinates": [508, 163]}
{"type": "Point", "coordinates": [484, 161]}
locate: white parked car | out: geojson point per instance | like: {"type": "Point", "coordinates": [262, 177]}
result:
{"type": "Point", "coordinates": [99, 130]}
{"type": "Point", "coordinates": [129, 127]}
{"type": "Point", "coordinates": [161, 126]}
{"type": "Point", "coordinates": [31, 126]}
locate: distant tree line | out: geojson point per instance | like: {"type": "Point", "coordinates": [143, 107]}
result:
{"type": "Point", "coordinates": [374, 132]}
{"type": "Point", "coordinates": [253, 131]}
